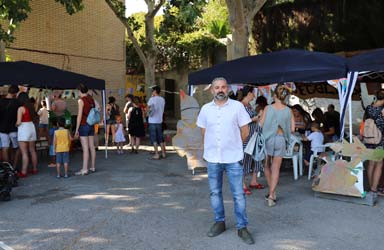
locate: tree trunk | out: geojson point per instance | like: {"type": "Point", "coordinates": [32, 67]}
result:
{"type": "Point", "coordinates": [2, 51]}
{"type": "Point", "coordinates": [151, 53]}
{"type": "Point", "coordinates": [239, 29]}
{"type": "Point", "coordinates": [241, 15]}
{"type": "Point", "coordinates": [150, 75]}
{"type": "Point", "coordinates": [148, 56]}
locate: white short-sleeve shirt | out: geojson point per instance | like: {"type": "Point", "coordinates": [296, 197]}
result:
{"type": "Point", "coordinates": [222, 138]}
{"type": "Point", "coordinates": [157, 104]}
{"type": "Point", "coordinates": [43, 113]}
{"type": "Point", "coordinates": [317, 141]}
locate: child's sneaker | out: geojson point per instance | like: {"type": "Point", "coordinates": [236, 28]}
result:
{"type": "Point", "coordinates": [66, 176]}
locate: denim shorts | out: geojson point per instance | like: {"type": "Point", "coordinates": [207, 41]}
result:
{"type": "Point", "coordinates": [156, 133]}
{"type": "Point", "coordinates": [276, 146]}
{"type": "Point", "coordinates": [7, 138]}
{"type": "Point", "coordinates": [62, 158]}
{"type": "Point", "coordinates": [51, 150]}
{"type": "Point", "coordinates": [86, 130]}
{"type": "Point", "coordinates": [43, 126]}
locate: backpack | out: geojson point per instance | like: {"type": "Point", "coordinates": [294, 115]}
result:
{"type": "Point", "coordinates": [372, 134]}
{"type": "Point", "coordinates": [93, 115]}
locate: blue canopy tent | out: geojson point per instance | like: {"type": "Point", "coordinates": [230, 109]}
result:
{"type": "Point", "coordinates": [362, 64]}
{"type": "Point", "coordinates": [44, 76]}
{"type": "Point", "coordinates": [281, 66]}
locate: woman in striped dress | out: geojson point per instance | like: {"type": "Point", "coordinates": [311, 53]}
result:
{"type": "Point", "coordinates": [249, 164]}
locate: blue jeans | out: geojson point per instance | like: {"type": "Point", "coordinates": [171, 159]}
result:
{"type": "Point", "coordinates": [235, 177]}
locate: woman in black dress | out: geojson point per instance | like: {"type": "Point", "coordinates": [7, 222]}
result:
{"type": "Point", "coordinates": [136, 124]}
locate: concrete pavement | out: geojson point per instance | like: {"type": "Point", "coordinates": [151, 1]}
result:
{"type": "Point", "coordinates": [132, 202]}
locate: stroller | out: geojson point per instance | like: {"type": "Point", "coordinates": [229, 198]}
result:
{"type": "Point", "coordinates": [8, 179]}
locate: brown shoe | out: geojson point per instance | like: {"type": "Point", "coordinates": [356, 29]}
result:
{"type": "Point", "coordinates": [216, 229]}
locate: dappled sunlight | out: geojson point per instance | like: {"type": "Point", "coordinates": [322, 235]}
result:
{"type": "Point", "coordinates": [295, 244]}
{"type": "Point", "coordinates": [125, 189]}
{"type": "Point", "coordinates": [174, 205]}
{"type": "Point", "coordinates": [165, 185]}
{"type": "Point", "coordinates": [44, 230]}
{"type": "Point", "coordinates": [93, 240]}
{"type": "Point", "coordinates": [200, 177]}
{"type": "Point", "coordinates": [130, 210]}
{"type": "Point", "coordinates": [169, 149]}
{"type": "Point", "coordinates": [105, 196]}
{"type": "Point", "coordinates": [163, 194]}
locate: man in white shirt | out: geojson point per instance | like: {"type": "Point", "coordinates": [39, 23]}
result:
{"type": "Point", "coordinates": [156, 106]}
{"type": "Point", "coordinates": [224, 125]}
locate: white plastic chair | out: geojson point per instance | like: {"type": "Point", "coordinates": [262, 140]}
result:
{"type": "Point", "coordinates": [296, 156]}
{"type": "Point", "coordinates": [315, 156]}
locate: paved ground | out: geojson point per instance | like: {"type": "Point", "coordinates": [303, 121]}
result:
{"type": "Point", "coordinates": [136, 203]}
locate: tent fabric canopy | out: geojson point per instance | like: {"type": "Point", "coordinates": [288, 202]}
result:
{"type": "Point", "coordinates": [368, 61]}
{"type": "Point", "coordinates": [44, 76]}
{"type": "Point", "coordinates": [281, 66]}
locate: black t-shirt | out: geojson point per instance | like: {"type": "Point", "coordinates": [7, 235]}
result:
{"type": "Point", "coordinates": [8, 114]}
{"type": "Point", "coordinates": [333, 120]}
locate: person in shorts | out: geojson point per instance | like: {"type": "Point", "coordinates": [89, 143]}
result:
{"type": "Point", "coordinates": [8, 130]}
{"type": "Point", "coordinates": [278, 123]}
{"type": "Point", "coordinates": [156, 106]}
{"type": "Point", "coordinates": [85, 131]}
{"type": "Point", "coordinates": [62, 141]}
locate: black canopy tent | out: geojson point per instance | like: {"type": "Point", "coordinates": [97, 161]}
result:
{"type": "Point", "coordinates": [281, 66]}
{"type": "Point", "coordinates": [44, 76]}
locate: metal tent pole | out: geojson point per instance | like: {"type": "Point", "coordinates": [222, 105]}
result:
{"type": "Point", "coordinates": [105, 123]}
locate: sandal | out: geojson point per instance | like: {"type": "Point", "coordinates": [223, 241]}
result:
{"type": "Point", "coordinates": [271, 202]}
{"type": "Point", "coordinates": [247, 191]}
{"type": "Point", "coordinates": [257, 186]}
{"type": "Point", "coordinates": [82, 173]}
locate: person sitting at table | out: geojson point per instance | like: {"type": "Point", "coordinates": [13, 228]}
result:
{"type": "Point", "coordinates": [317, 140]}
{"type": "Point", "coordinates": [302, 119]}
{"type": "Point", "coordinates": [326, 127]}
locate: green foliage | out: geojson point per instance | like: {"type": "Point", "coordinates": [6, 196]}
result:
{"type": "Point", "coordinates": [72, 6]}
{"type": "Point", "coordinates": [181, 38]}
{"type": "Point", "coordinates": [13, 12]}
{"type": "Point", "coordinates": [219, 28]}
{"type": "Point", "coordinates": [215, 18]}
{"type": "Point", "coordinates": [328, 26]}
{"type": "Point", "coordinates": [189, 50]}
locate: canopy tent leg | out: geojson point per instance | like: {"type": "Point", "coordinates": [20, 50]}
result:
{"type": "Point", "coordinates": [345, 95]}
{"type": "Point", "coordinates": [105, 122]}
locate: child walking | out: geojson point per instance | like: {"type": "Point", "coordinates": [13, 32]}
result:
{"type": "Point", "coordinates": [62, 142]}
{"type": "Point", "coordinates": [119, 136]}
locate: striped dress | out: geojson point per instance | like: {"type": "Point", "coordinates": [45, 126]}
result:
{"type": "Point", "coordinates": [249, 163]}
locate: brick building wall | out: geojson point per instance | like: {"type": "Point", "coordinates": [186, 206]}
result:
{"type": "Point", "coordinates": [90, 42]}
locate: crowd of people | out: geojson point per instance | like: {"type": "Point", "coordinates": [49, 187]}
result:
{"type": "Point", "coordinates": [230, 122]}
{"type": "Point", "coordinates": [23, 123]}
